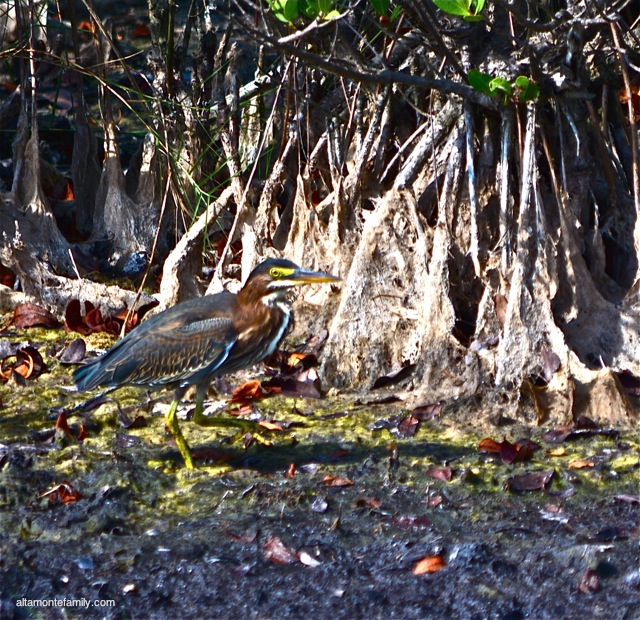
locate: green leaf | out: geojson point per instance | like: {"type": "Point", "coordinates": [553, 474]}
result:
{"type": "Point", "coordinates": [473, 18]}
{"type": "Point", "coordinates": [285, 10]}
{"type": "Point", "coordinates": [310, 8]}
{"type": "Point", "coordinates": [477, 6]}
{"type": "Point", "coordinates": [454, 7]}
{"type": "Point", "coordinates": [325, 7]}
{"type": "Point", "coordinates": [480, 81]}
{"type": "Point", "coordinates": [381, 7]}
{"type": "Point", "coordinates": [500, 85]}
{"type": "Point", "coordinates": [529, 90]}
{"type": "Point", "coordinates": [332, 14]}
{"type": "Point", "coordinates": [395, 13]}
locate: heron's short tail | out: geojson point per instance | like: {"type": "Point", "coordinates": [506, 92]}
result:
{"type": "Point", "coordinates": [89, 376]}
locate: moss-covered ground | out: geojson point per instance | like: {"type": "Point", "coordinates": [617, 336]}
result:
{"type": "Point", "coordinates": [332, 520]}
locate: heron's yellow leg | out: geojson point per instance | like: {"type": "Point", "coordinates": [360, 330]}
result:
{"type": "Point", "coordinates": [174, 428]}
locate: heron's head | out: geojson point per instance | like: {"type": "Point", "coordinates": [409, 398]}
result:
{"type": "Point", "coordinates": [272, 279]}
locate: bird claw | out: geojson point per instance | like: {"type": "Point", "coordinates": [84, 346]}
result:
{"type": "Point", "coordinates": [248, 430]}
{"type": "Point", "coordinates": [249, 437]}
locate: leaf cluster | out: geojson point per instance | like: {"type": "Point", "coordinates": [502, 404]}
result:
{"type": "Point", "coordinates": [521, 89]}
{"type": "Point", "coordinates": [469, 10]}
{"type": "Point", "coordinates": [289, 11]}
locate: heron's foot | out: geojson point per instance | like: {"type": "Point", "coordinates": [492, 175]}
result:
{"type": "Point", "coordinates": [248, 437]}
{"type": "Point", "coordinates": [244, 426]}
{"type": "Point", "coordinates": [174, 429]}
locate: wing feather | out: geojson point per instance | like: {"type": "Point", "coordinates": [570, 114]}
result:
{"type": "Point", "coordinates": [182, 345]}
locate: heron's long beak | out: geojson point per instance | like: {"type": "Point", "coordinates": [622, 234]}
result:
{"type": "Point", "coordinates": [303, 276]}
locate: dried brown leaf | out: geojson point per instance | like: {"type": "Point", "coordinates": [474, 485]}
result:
{"type": "Point", "coordinates": [336, 481]}
{"type": "Point", "coordinates": [580, 464]}
{"type": "Point", "coordinates": [246, 392]}
{"type": "Point", "coordinates": [275, 551]}
{"type": "Point", "coordinates": [536, 481]}
{"type": "Point", "coordinates": [32, 315]}
{"type": "Point", "coordinates": [440, 473]}
{"type": "Point", "coordinates": [63, 493]}
{"type": "Point", "coordinates": [429, 564]}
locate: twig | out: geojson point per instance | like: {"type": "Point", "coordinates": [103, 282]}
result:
{"type": "Point", "coordinates": [236, 221]}
{"type": "Point", "coordinates": [407, 143]}
{"type": "Point", "coordinates": [376, 78]}
{"type": "Point", "coordinates": [73, 263]}
{"type": "Point", "coordinates": [632, 124]}
{"type": "Point", "coordinates": [506, 129]}
{"type": "Point", "coordinates": [471, 181]}
{"type": "Point", "coordinates": [316, 24]}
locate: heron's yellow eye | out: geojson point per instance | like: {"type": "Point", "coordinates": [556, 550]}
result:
{"type": "Point", "coordinates": [278, 273]}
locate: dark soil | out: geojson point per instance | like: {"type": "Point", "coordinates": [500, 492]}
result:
{"type": "Point", "coordinates": [329, 522]}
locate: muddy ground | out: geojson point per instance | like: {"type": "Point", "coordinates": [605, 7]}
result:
{"type": "Point", "coordinates": [333, 520]}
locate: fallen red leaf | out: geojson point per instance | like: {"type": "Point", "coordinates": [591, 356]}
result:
{"type": "Point", "coordinates": [291, 387]}
{"type": "Point", "coordinates": [73, 320]}
{"type": "Point", "coordinates": [530, 482]}
{"type": "Point", "coordinates": [429, 564]}
{"type": "Point", "coordinates": [489, 445]}
{"type": "Point", "coordinates": [28, 364]}
{"type": "Point", "coordinates": [291, 471]}
{"type": "Point", "coordinates": [63, 493]}
{"type": "Point", "coordinates": [408, 426]}
{"type": "Point", "coordinates": [440, 473]}
{"type": "Point", "coordinates": [246, 392]}
{"type": "Point", "coordinates": [74, 352]}
{"type": "Point", "coordinates": [63, 426]}
{"type": "Point", "coordinates": [580, 464]}
{"type": "Point", "coordinates": [526, 448]}
{"type": "Point", "coordinates": [427, 412]}
{"type": "Point", "coordinates": [590, 581]}
{"type": "Point", "coordinates": [93, 318]}
{"type": "Point", "coordinates": [93, 321]}
{"type": "Point", "coordinates": [635, 99]}
{"type": "Point", "coordinates": [362, 502]}
{"type": "Point", "coordinates": [509, 452]}
{"type": "Point", "coordinates": [135, 318]}
{"type": "Point", "coordinates": [275, 551]}
{"type": "Point", "coordinates": [245, 409]}
{"type": "Point", "coordinates": [32, 315]}
{"type": "Point", "coordinates": [270, 426]}
{"type": "Point", "coordinates": [336, 481]}
{"type": "Point", "coordinates": [23, 365]}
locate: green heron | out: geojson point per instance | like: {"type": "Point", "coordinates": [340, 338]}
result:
{"type": "Point", "coordinates": [200, 339]}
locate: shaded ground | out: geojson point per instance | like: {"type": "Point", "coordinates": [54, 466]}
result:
{"type": "Point", "coordinates": [329, 522]}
